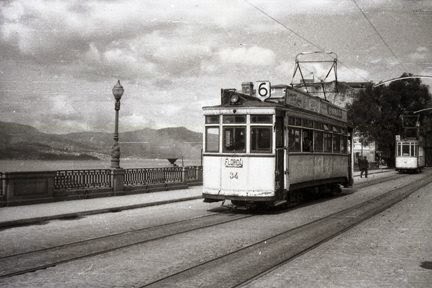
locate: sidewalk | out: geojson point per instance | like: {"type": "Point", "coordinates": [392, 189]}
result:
{"type": "Point", "coordinates": [37, 213]}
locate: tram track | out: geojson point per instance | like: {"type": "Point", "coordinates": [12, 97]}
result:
{"type": "Point", "coordinates": [24, 262]}
{"type": "Point", "coordinates": [239, 267]}
{"type": "Point", "coordinates": [21, 263]}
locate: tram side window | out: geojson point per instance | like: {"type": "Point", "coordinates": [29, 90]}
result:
{"type": "Point", "coordinates": [327, 142]}
{"type": "Point", "coordinates": [261, 139]}
{"type": "Point", "coordinates": [294, 139]}
{"type": "Point", "coordinates": [212, 139]}
{"type": "Point", "coordinates": [318, 141]}
{"type": "Point", "coordinates": [343, 143]}
{"type": "Point", "coordinates": [262, 119]}
{"type": "Point", "coordinates": [336, 143]}
{"type": "Point", "coordinates": [294, 121]}
{"type": "Point", "coordinates": [413, 154]}
{"type": "Point", "coordinates": [399, 149]}
{"type": "Point", "coordinates": [307, 140]}
{"type": "Point", "coordinates": [234, 139]}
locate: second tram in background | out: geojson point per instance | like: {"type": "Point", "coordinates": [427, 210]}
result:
{"type": "Point", "coordinates": [265, 150]}
{"type": "Point", "coordinates": [410, 156]}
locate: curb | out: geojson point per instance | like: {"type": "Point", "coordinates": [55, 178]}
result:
{"type": "Point", "coordinates": [376, 172]}
{"type": "Point", "coordinates": [42, 219]}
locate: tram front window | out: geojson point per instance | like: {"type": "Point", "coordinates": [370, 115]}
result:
{"type": "Point", "coordinates": [212, 139]}
{"type": "Point", "coordinates": [405, 149]}
{"type": "Point", "coordinates": [261, 139]}
{"type": "Point", "coordinates": [234, 139]}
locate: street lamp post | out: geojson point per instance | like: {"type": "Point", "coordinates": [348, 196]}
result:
{"type": "Point", "coordinates": [115, 150]}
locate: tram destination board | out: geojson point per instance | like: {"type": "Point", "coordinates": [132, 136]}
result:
{"type": "Point", "coordinates": [233, 163]}
{"type": "Point", "coordinates": [301, 100]}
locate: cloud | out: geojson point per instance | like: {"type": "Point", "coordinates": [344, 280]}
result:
{"type": "Point", "coordinates": [421, 53]}
{"type": "Point", "coordinates": [285, 68]}
{"type": "Point", "coordinates": [253, 56]}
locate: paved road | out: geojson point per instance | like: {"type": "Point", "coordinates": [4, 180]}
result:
{"type": "Point", "coordinates": [392, 249]}
{"type": "Point", "coordinates": [148, 262]}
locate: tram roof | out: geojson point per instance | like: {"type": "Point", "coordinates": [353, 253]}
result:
{"type": "Point", "coordinates": [292, 99]}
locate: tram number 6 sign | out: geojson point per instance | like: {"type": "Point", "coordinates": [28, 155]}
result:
{"type": "Point", "coordinates": [263, 91]}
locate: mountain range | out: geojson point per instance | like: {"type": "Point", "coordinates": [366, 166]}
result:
{"type": "Point", "coordinates": [19, 141]}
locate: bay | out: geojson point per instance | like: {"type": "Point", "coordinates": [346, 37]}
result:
{"type": "Point", "coordinates": [45, 165]}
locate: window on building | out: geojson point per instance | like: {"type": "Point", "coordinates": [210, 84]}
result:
{"type": "Point", "coordinates": [294, 139]}
{"type": "Point", "coordinates": [307, 140]}
{"type": "Point", "coordinates": [261, 139]}
{"type": "Point", "coordinates": [234, 139]}
{"type": "Point", "coordinates": [212, 139]}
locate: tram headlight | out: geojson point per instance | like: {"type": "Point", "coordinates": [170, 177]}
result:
{"type": "Point", "coordinates": [234, 99]}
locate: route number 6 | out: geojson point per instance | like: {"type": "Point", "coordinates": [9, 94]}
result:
{"type": "Point", "coordinates": [263, 90]}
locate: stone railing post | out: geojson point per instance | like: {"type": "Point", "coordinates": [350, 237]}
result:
{"type": "Point", "coordinates": [117, 180]}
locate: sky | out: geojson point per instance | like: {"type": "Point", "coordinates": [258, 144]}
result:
{"type": "Point", "coordinates": [60, 59]}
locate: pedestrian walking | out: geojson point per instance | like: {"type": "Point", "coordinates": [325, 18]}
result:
{"type": "Point", "coordinates": [363, 166]}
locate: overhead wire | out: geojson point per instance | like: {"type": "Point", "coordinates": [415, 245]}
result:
{"type": "Point", "coordinates": [299, 35]}
{"type": "Point", "coordinates": [379, 35]}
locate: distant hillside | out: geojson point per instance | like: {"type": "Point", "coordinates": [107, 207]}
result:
{"type": "Point", "coordinates": [25, 142]}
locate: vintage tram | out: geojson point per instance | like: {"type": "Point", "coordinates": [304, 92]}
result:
{"type": "Point", "coordinates": [409, 149]}
{"type": "Point", "coordinates": [409, 155]}
{"type": "Point", "coordinates": [269, 151]}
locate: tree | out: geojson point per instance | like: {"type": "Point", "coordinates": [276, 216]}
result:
{"type": "Point", "coordinates": [375, 112]}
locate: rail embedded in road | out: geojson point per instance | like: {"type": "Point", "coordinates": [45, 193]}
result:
{"type": "Point", "coordinates": [243, 265]}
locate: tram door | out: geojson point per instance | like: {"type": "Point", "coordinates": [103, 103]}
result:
{"type": "Point", "coordinates": [280, 151]}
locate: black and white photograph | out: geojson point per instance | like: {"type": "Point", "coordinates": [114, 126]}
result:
{"type": "Point", "coordinates": [215, 143]}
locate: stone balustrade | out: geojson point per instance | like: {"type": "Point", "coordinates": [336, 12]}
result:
{"type": "Point", "coordinates": [82, 179]}
{"type": "Point", "coordinates": [43, 186]}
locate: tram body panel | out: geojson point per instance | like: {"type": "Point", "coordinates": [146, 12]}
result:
{"type": "Point", "coordinates": [239, 176]}
{"type": "Point", "coordinates": [406, 162]}
{"type": "Point", "coordinates": [211, 174]}
{"type": "Point", "coordinates": [309, 168]}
